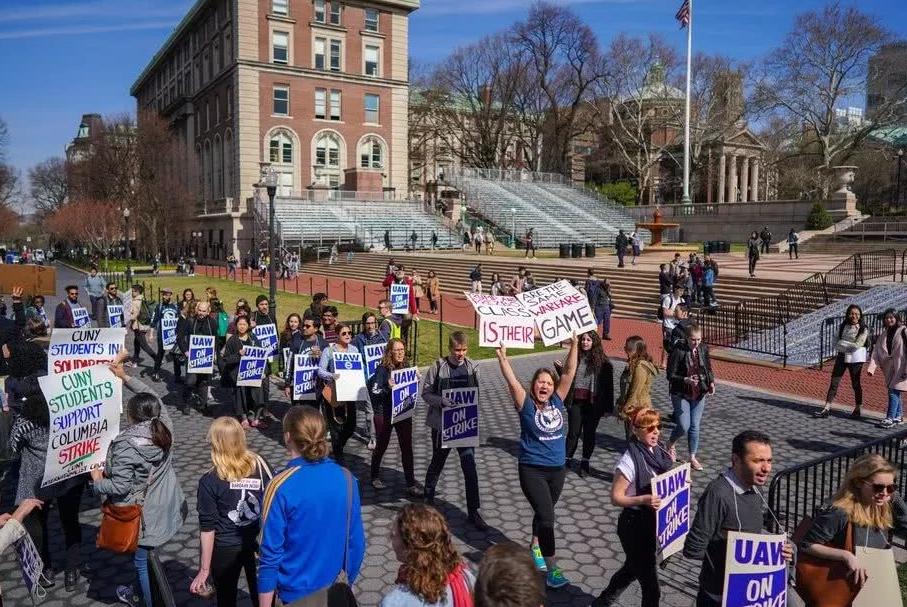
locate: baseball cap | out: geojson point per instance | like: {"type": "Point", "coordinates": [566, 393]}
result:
{"type": "Point", "coordinates": [167, 290]}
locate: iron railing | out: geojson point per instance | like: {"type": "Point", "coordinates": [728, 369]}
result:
{"type": "Point", "coordinates": [828, 337]}
{"type": "Point", "coordinates": [513, 175]}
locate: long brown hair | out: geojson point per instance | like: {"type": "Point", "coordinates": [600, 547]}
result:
{"type": "Point", "coordinates": [287, 333]}
{"type": "Point", "coordinates": [387, 360]}
{"type": "Point", "coordinates": [595, 356]}
{"type": "Point", "coordinates": [305, 430]}
{"type": "Point", "coordinates": [848, 499]}
{"type": "Point", "coordinates": [638, 352]}
{"type": "Point", "coordinates": [430, 553]}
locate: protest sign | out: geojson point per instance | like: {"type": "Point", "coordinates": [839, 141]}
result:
{"type": "Point", "coordinates": [881, 586]}
{"type": "Point", "coordinates": [460, 423]}
{"type": "Point", "coordinates": [115, 315]}
{"type": "Point", "coordinates": [267, 337]}
{"type": "Point", "coordinates": [78, 348]}
{"type": "Point", "coordinates": [559, 310]}
{"type": "Point", "coordinates": [168, 333]}
{"type": "Point", "coordinates": [503, 319]}
{"type": "Point", "coordinates": [84, 406]}
{"type": "Point", "coordinates": [403, 394]}
{"type": "Point", "coordinates": [399, 298]}
{"type": "Point", "coordinates": [350, 386]}
{"type": "Point", "coordinates": [287, 355]}
{"type": "Point", "coordinates": [373, 354]}
{"type": "Point", "coordinates": [305, 369]}
{"type": "Point", "coordinates": [672, 519]}
{"type": "Point", "coordinates": [201, 354]}
{"type": "Point", "coordinates": [252, 367]}
{"type": "Point", "coordinates": [755, 571]}
{"type": "Point", "coordinates": [31, 566]}
{"type": "Point", "coordinates": [80, 317]}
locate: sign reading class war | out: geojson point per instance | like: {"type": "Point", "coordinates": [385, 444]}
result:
{"type": "Point", "coordinates": [252, 365]}
{"type": "Point", "coordinates": [305, 370]}
{"type": "Point", "coordinates": [373, 354]}
{"type": "Point", "coordinates": [672, 519]}
{"type": "Point", "coordinates": [267, 337]}
{"type": "Point", "coordinates": [168, 333]}
{"type": "Point", "coordinates": [755, 571]}
{"type": "Point", "coordinates": [201, 354]}
{"type": "Point", "coordinates": [399, 296]}
{"type": "Point", "coordinates": [460, 423]}
{"type": "Point", "coordinates": [84, 407]}
{"type": "Point", "coordinates": [79, 348]}
{"type": "Point", "coordinates": [115, 315]}
{"type": "Point", "coordinates": [503, 320]}
{"type": "Point", "coordinates": [350, 386]}
{"type": "Point", "coordinates": [559, 310]}
{"type": "Point", "coordinates": [403, 394]}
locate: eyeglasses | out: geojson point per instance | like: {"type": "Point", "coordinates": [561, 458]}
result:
{"type": "Point", "coordinates": [308, 325]}
{"type": "Point", "coordinates": [345, 333]}
{"type": "Point", "coordinates": [370, 322]}
{"type": "Point", "coordinates": [651, 428]}
{"type": "Point", "coordinates": [882, 488]}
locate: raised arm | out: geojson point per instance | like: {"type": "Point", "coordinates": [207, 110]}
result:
{"type": "Point", "coordinates": [516, 389]}
{"type": "Point", "coordinates": [566, 380]}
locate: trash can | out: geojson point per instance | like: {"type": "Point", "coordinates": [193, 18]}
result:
{"type": "Point", "coordinates": [590, 249]}
{"type": "Point", "coordinates": [707, 247]}
{"type": "Point", "coordinates": [576, 250]}
{"type": "Point", "coordinates": [564, 250]}
{"type": "Point", "coordinates": [725, 246]}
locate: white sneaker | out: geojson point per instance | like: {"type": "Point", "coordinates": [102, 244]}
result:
{"type": "Point", "coordinates": [886, 423]}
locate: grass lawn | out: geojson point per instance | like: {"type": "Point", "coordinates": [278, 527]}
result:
{"type": "Point", "coordinates": [117, 265]}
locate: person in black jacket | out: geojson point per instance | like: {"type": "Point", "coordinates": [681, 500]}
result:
{"type": "Point", "coordinates": [308, 340]}
{"type": "Point", "coordinates": [246, 399]}
{"type": "Point", "coordinates": [598, 292]}
{"type": "Point", "coordinates": [262, 315]}
{"type": "Point", "coordinates": [200, 323]}
{"type": "Point", "coordinates": [690, 379]}
{"type": "Point", "coordinates": [591, 396]}
{"type": "Point", "coordinates": [111, 298]}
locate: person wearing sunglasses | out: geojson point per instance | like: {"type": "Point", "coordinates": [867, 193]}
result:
{"type": "Point", "coordinates": [111, 298]}
{"type": "Point", "coordinates": [368, 336]}
{"type": "Point", "coordinates": [868, 503]}
{"type": "Point", "coordinates": [307, 339]}
{"type": "Point", "coordinates": [340, 415]}
{"type": "Point", "coordinates": [644, 458]}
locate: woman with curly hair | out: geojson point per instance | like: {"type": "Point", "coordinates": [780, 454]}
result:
{"type": "Point", "coordinates": [432, 573]}
{"type": "Point", "coordinates": [853, 340]}
{"type": "Point", "coordinates": [636, 379]}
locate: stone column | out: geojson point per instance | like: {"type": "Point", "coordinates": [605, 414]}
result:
{"type": "Point", "coordinates": [745, 179]}
{"type": "Point", "coordinates": [722, 173]}
{"type": "Point", "coordinates": [756, 179]}
{"type": "Point", "coordinates": [708, 180]}
{"type": "Point", "coordinates": [732, 178]}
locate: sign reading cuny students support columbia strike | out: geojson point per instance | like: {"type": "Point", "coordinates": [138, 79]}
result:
{"type": "Point", "coordinates": [503, 320]}
{"type": "Point", "coordinates": [403, 394]}
{"type": "Point", "coordinates": [672, 519]}
{"type": "Point", "coordinates": [201, 354]}
{"type": "Point", "coordinates": [560, 311]}
{"type": "Point", "coordinates": [84, 406]}
{"type": "Point", "coordinates": [79, 348]}
{"type": "Point", "coordinates": [399, 296]}
{"type": "Point", "coordinates": [460, 423]}
{"type": "Point", "coordinates": [755, 572]}
{"type": "Point", "coordinates": [252, 367]}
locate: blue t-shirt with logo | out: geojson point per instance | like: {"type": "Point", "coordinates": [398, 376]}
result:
{"type": "Point", "coordinates": [543, 433]}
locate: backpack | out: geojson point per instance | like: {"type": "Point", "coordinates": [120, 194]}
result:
{"type": "Point", "coordinates": [659, 314]}
{"type": "Point", "coordinates": [144, 313]}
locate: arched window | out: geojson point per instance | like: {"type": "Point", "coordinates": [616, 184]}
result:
{"type": "Point", "coordinates": [371, 153]}
{"type": "Point", "coordinates": [328, 158]}
{"type": "Point", "coordinates": [218, 168]}
{"type": "Point", "coordinates": [199, 171]}
{"type": "Point", "coordinates": [228, 164]}
{"type": "Point", "coordinates": [282, 157]}
{"type": "Point", "coordinates": [209, 172]}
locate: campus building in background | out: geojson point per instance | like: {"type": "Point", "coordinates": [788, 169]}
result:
{"type": "Point", "coordinates": [318, 88]}
{"type": "Point", "coordinates": [887, 82]}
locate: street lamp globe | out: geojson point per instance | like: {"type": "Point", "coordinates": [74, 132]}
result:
{"type": "Point", "coordinates": [126, 212]}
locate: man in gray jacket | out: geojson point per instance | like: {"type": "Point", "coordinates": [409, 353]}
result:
{"type": "Point", "coordinates": [94, 286]}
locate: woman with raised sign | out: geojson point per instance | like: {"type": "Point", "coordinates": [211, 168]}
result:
{"type": "Point", "coordinates": [340, 415]}
{"type": "Point", "coordinates": [247, 400]}
{"type": "Point", "coordinates": [644, 458]}
{"type": "Point", "coordinates": [380, 387]}
{"type": "Point", "coordinates": [543, 451]}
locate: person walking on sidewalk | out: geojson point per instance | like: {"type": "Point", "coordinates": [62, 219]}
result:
{"type": "Point", "coordinates": [853, 339]}
{"type": "Point", "coordinates": [752, 253]}
{"type": "Point", "coordinates": [598, 292]}
{"type": "Point", "coordinates": [165, 309]}
{"type": "Point", "coordinates": [690, 379]}
{"type": "Point", "coordinates": [890, 353]}
{"type": "Point", "coordinates": [247, 400]}
{"type": "Point", "coordinates": [620, 243]}
{"type": "Point", "coordinates": [476, 277]}
{"type": "Point", "coordinates": [793, 240]}
{"type": "Point", "coordinates": [341, 415]}
{"type": "Point", "coordinates": [765, 237]}
{"type": "Point", "coordinates": [94, 287]}
{"type": "Point", "coordinates": [635, 246]}
{"type": "Point", "coordinates": [432, 291]}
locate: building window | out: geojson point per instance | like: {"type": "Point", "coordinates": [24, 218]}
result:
{"type": "Point", "coordinates": [335, 105]}
{"type": "Point", "coordinates": [207, 116]}
{"type": "Point", "coordinates": [319, 53]}
{"type": "Point", "coordinates": [217, 110]}
{"type": "Point", "coordinates": [282, 100]}
{"type": "Point", "coordinates": [371, 154]}
{"type": "Point", "coordinates": [327, 151]}
{"type": "Point", "coordinates": [280, 52]}
{"type": "Point", "coordinates": [371, 19]}
{"type": "Point", "coordinates": [319, 11]}
{"type": "Point", "coordinates": [371, 60]}
{"type": "Point", "coordinates": [335, 55]}
{"type": "Point", "coordinates": [229, 101]}
{"type": "Point", "coordinates": [336, 10]}
{"type": "Point", "coordinates": [281, 149]}
{"type": "Point", "coordinates": [372, 105]}
{"type": "Point", "coordinates": [320, 103]}
{"type": "Point", "coordinates": [280, 7]}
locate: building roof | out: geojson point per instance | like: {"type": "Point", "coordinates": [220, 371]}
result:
{"type": "Point", "coordinates": [895, 136]}
{"type": "Point", "coordinates": [656, 86]}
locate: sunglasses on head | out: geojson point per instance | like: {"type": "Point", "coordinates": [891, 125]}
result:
{"type": "Point", "coordinates": [882, 488]}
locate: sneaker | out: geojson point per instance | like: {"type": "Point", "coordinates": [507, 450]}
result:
{"type": "Point", "coordinates": [477, 521]}
{"type": "Point", "coordinates": [371, 444]}
{"type": "Point", "coordinates": [540, 563]}
{"type": "Point", "coordinates": [128, 596]}
{"type": "Point", "coordinates": [886, 423]}
{"type": "Point", "coordinates": [378, 484]}
{"type": "Point", "coordinates": [415, 491]}
{"type": "Point", "coordinates": [556, 579]}
{"type": "Point", "coordinates": [156, 377]}
{"type": "Point", "coordinates": [897, 421]}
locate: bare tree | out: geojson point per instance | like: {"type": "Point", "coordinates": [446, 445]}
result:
{"type": "Point", "coordinates": [97, 224]}
{"type": "Point", "coordinates": [49, 185]}
{"type": "Point", "coordinates": [9, 176]}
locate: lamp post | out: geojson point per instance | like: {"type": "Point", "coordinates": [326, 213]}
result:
{"type": "Point", "coordinates": [196, 236]}
{"type": "Point", "coordinates": [268, 180]}
{"type": "Point", "coordinates": [512, 228]}
{"type": "Point", "coordinates": [126, 241]}
{"type": "Point", "coordinates": [900, 162]}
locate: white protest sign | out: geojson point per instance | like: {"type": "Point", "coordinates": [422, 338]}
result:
{"type": "Point", "coordinates": [84, 406]}
{"type": "Point", "coordinates": [31, 566]}
{"type": "Point", "coordinates": [399, 297]}
{"type": "Point", "coordinates": [80, 316]}
{"type": "Point", "coordinates": [201, 354]}
{"type": "Point", "coordinates": [252, 365]}
{"type": "Point", "coordinates": [287, 354]}
{"type": "Point", "coordinates": [881, 586]}
{"type": "Point", "coordinates": [79, 348]}
{"type": "Point", "coordinates": [755, 570]}
{"type": "Point", "coordinates": [267, 337]}
{"type": "Point", "coordinates": [460, 423]}
{"type": "Point", "coordinates": [115, 315]}
{"type": "Point", "coordinates": [168, 332]}
{"type": "Point", "coordinates": [403, 393]}
{"type": "Point", "coordinates": [560, 310]}
{"type": "Point", "coordinates": [373, 354]}
{"type": "Point", "coordinates": [672, 519]}
{"type": "Point", "coordinates": [305, 370]}
{"type": "Point", "coordinates": [503, 319]}
{"type": "Point", "coordinates": [350, 386]}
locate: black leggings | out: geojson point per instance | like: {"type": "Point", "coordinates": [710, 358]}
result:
{"type": "Point", "coordinates": [226, 564]}
{"type": "Point", "coordinates": [140, 343]}
{"type": "Point", "coordinates": [582, 419]}
{"type": "Point", "coordinates": [838, 372]}
{"type": "Point", "coordinates": [68, 509]}
{"type": "Point", "coordinates": [542, 487]}
{"type": "Point", "coordinates": [636, 530]}
{"type": "Point", "coordinates": [752, 264]}
{"type": "Point", "coordinates": [342, 423]}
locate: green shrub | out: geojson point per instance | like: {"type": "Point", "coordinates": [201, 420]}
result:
{"type": "Point", "coordinates": [621, 192]}
{"type": "Point", "coordinates": [818, 218]}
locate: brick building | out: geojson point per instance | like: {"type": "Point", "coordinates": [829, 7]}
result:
{"type": "Point", "coordinates": [318, 88]}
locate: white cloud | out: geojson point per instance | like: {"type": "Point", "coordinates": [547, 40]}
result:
{"type": "Point", "coordinates": [486, 7]}
{"type": "Point", "coordinates": [74, 30]}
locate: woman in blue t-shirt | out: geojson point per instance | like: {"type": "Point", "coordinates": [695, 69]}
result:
{"type": "Point", "coordinates": [543, 451]}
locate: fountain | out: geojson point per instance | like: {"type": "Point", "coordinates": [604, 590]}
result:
{"type": "Point", "coordinates": [656, 227]}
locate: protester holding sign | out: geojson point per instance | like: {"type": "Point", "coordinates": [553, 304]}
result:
{"type": "Point", "coordinates": [69, 314]}
{"type": "Point", "coordinates": [340, 414]}
{"type": "Point", "coordinates": [200, 323]}
{"type": "Point", "coordinates": [164, 321]}
{"type": "Point", "coordinates": [451, 372]}
{"type": "Point", "coordinates": [246, 399]}
{"type": "Point", "coordinates": [262, 315]}
{"type": "Point", "coordinates": [407, 308]}
{"type": "Point", "coordinates": [289, 341]}
{"type": "Point", "coordinates": [632, 490]}
{"type": "Point", "coordinates": [543, 442]}
{"type": "Point", "coordinates": [310, 343]}
{"type": "Point", "coordinates": [380, 387]}
{"type": "Point", "coordinates": [371, 344]}
{"type": "Point", "coordinates": [11, 529]}
{"type": "Point", "coordinates": [110, 308]}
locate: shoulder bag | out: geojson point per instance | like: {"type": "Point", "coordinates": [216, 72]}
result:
{"type": "Point", "coordinates": [120, 525]}
{"type": "Point", "coordinates": [823, 582]}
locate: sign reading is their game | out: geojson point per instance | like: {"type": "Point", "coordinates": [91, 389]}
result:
{"type": "Point", "coordinates": [267, 337]}
{"type": "Point", "coordinates": [503, 319]}
{"type": "Point", "coordinates": [560, 310]}
{"type": "Point", "coordinates": [305, 368]}
{"type": "Point", "coordinates": [373, 354]}
{"type": "Point", "coordinates": [672, 521]}
{"type": "Point", "coordinates": [403, 394]}
{"type": "Point", "coordinates": [252, 367]}
{"type": "Point", "coordinates": [756, 571]}
{"type": "Point", "coordinates": [201, 354]}
{"type": "Point", "coordinates": [84, 407]}
{"type": "Point", "coordinates": [460, 423]}
{"type": "Point", "coordinates": [79, 348]}
{"type": "Point", "coordinates": [350, 386]}
{"type": "Point", "coordinates": [399, 299]}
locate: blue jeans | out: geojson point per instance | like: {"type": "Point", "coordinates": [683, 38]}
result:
{"type": "Point", "coordinates": [603, 319]}
{"type": "Point", "coordinates": [894, 404]}
{"type": "Point", "coordinates": [687, 416]}
{"type": "Point", "coordinates": [140, 559]}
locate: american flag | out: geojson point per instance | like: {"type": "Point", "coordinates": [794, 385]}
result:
{"type": "Point", "coordinates": [683, 14]}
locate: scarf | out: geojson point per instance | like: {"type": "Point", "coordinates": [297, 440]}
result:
{"type": "Point", "coordinates": [646, 462]}
{"type": "Point", "coordinates": [456, 581]}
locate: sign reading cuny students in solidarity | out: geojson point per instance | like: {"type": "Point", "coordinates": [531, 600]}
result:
{"type": "Point", "coordinates": [560, 311]}
{"type": "Point", "coordinates": [373, 354]}
{"type": "Point", "coordinates": [403, 394]}
{"type": "Point", "coordinates": [350, 386]}
{"type": "Point", "coordinates": [305, 368]}
{"type": "Point", "coordinates": [115, 315]}
{"type": "Point", "coordinates": [84, 406]}
{"type": "Point", "coordinates": [672, 522]}
{"type": "Point", "coordinates": [252, 367]}
{"type": "Point", "coordinates": [460, 423]}
{"type": "Point", "coordinates": [168, 332]}
{"type": "Point", "coordinates": [755, 573]}
{"type": "Point", "coordinates": [79, 348]}
{"type": "Point", "coordinates": [267, 337]}
{"type": "Point", "coordinates": [201, 354]}
{"type": "Point", "coordinates": [503, 320]}
{"type": "Point", "coordinates": [399, 298]}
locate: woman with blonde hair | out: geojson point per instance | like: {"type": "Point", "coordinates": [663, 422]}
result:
{"type": "Point", "coordinates": [229, 507]}
{"type": "Point", "coordinates": [431, 571]}
{"type": "Point", "coordinates": [636, 379]}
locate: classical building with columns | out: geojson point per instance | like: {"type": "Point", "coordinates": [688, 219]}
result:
{"type": "Point", "coordinates": [734, 169]}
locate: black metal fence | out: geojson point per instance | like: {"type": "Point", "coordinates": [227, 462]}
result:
{"type": "Point", "coordinates": [828, 336]}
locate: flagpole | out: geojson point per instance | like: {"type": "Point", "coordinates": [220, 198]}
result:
{"type": "Point", "coordinates": [686, 126]}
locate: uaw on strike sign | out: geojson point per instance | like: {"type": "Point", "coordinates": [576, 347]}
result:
{"type": "Point", "coordinates": [755, 573]}
{"type": "Point", "coordinates": [672, 519]}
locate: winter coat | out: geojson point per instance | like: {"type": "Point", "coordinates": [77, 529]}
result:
{"type": "Point", "coordinates": [639, 388]}
{"type": "Point", "coordinates": [679, 364]}
{"type": "Point", "coordinates": [232, 356]}
{"type": "Point", "coordinates": [894, 363]}
{"type": "Point", "coordinates": [433, 288]}
{"type": "Point", "coordinates": [30, 441]}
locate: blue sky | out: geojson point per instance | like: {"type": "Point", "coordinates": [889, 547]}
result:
{"type": "Point", "coordinates": [62, 58]}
